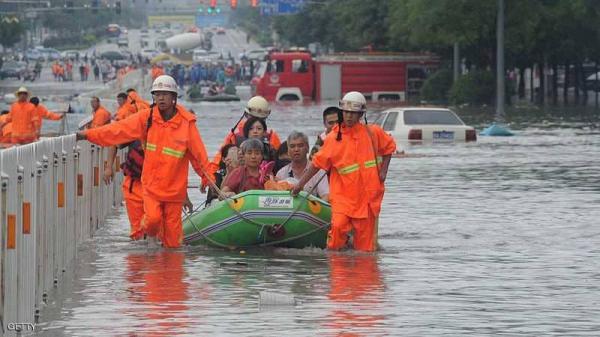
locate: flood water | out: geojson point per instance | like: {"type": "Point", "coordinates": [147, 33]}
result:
{"type": "Point", "coordinates": [497, 237]}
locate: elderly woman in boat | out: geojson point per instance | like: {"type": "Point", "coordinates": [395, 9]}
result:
{"type": "Point", "coordinates": [248, 176]}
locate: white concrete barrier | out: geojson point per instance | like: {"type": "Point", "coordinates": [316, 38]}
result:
{"type": "Point", "coordinates": [52, 199]}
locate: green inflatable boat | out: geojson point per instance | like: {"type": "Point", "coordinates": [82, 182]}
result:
{"type": "Point", "coordinates": [259, 219]}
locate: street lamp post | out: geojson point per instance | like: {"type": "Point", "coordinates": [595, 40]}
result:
{"type": "Point", "coordinates": [497, 129]}
{"type": "Point", "coordinates": [500, 74]}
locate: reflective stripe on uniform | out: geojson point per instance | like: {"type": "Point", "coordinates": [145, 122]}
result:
{"type": "Point", "coordinates": [348, 169]}
{"type": "Point", "coordinates": [172, 152]}
{"type": "Point", "coordinates": [372, 163]}
{"type": "Point", "coordinates": [150, 147]}
{"type": "Point", "coordinates": [354, 167]}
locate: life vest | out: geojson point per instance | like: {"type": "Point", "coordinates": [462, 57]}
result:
{"type": "Point", "coordinates": [133, 165]}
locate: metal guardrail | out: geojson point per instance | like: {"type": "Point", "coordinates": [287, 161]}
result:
{"type": "Point", "coordinates": [52, 199]}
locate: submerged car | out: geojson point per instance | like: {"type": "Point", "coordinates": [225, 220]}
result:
{"type": "Point", "coordinates": [416, 124]}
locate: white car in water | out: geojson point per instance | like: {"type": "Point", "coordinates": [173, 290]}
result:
{"type": "Point", "coordinates": [417, 124]}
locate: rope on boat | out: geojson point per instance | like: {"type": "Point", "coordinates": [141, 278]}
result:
{"type": "Point", "coordinates": [241, 215]}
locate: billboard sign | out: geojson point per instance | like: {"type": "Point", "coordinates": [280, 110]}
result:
{"type": "Point", "coordinates": [280, 7]}
{"type": "Point", "coordinates": [210, 20]}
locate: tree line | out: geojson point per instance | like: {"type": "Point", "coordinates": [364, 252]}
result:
{"type": "Point", "coordinates": [540, 34]}
{"type": "Point", "coordinates": [73, 28]}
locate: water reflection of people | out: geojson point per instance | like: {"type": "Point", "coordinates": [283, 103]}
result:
{"type": "Point", "coordinates": [358, 290]}
{"type": "Point", "coordinates": [158, 292]}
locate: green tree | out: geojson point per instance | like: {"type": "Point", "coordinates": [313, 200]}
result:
{"type": "Point", "coordinates": [11, 31]}
{"type": "Point", "coordinates": [537, 32]}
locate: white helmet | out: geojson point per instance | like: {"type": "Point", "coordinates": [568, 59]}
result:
{"type": "Point", "coordinates": [258, 107]}
{"type": "Point", "coordinates": [164, 83]}
{"type": "Point", "coordinates": [353, 101]}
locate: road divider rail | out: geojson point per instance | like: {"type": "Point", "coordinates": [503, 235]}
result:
{"type": "Point", "coordinates": [53, 199]}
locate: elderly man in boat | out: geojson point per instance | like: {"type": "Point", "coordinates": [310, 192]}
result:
{"type": "Point", "coordinates": [298, 146]}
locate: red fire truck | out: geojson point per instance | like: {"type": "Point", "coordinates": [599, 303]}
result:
{"type": "Point", "coordinates": [297, 76]}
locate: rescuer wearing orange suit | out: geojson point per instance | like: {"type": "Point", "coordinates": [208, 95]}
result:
{"type": "Point", "coordinates": [123, 111]}
{"type": "Point", "coordinates": [156, 71]}
{"type": "Point", "coordinates": [43, 113]}
{"type": "Point", "coordinates": [257, 107]}
{"type": "Point", "coordinates": [5, 129]}
{"type": "Point", "coordinates": [171, 141]}
{"type": "Point", "coordinates": [23, 118]}
{"type": "Point", "coordinates": [132, 186]}
{"type": "Point", "coordinates": [358, 156]}
{"type": "Point", "coordinates": [101, 115]}
{"type": "Point", "coordinates": [136, 103]}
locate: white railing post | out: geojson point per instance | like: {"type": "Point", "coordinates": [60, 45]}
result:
{"type": "Point", "coordinates": [10, 267]}
{"type": "Point", "coordinates": [52, 198]}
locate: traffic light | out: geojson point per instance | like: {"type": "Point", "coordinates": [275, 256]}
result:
{"type": "Point", "coordinates": [254, 3]}
{"type": "Point", "coordinates": [233, 4]}
{"type": "Point", "coordinates": [118, 7]}
{"type": "Point", "coordinates": [95, 4]}
{"type": "Point", "coordinates": [209, 10]}
{"type": "Point", "coordinates": [213, 3]}
{"type": "Point", "coordinates": [218, 10]}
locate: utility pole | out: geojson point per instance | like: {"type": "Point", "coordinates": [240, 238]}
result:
{"type": "Point", "coordinates": [457, 70]}
{"type": "Point", "coordinates": [500, 62]}
{"type": "Point", "coordinates": [497, 129]}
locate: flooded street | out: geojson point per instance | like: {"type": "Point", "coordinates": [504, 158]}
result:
{"type": "Point", "coordinates": [495, 237]}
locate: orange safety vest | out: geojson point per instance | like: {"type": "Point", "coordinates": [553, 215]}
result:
{"type": "Point", "coordinates": [354, 178]}
{"type": "Point", "coordinates": [170, 146]}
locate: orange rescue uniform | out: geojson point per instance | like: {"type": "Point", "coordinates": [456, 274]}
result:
{"type": "Point", "coordinates": [101, 117]}
{"type": "Point", "coordinates": [123, 112]}
{"type": "Point", "coordinates": [355, 189]}
{"type": "Point", "coordinates": [5, 130]}
{"type": "Point", "coordinates": [43, 113]}
{"type": "Point", "coordinates": [136, 103]}
{"type": "Point", "coordinates": [170, 147]}
{"type": "Point", "coordinates": [156, 71]}
{"type": "Point", "coordinates": [133, 192]}
{"type": "Point", "coordinates": [24, 120]}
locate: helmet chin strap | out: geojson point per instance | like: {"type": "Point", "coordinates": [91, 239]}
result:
{"type": "Point", "coordinates": [238, 122]}
{"type": "Point", "coordinates": [340, 121]}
